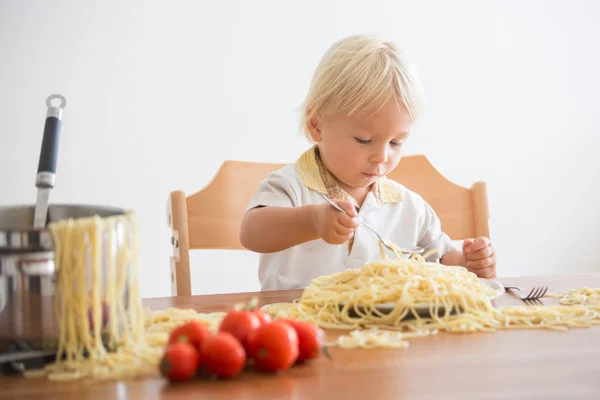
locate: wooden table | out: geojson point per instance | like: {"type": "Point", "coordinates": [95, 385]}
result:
{"type": "Point", "coordinates": [527, 364]}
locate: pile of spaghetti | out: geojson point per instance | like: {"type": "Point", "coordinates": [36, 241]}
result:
{"type": "Point", "coordinates": [389, 301]}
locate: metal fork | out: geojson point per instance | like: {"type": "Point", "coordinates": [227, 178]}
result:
{"type": "Point", "coordinates": [537, 292]}
{"type": "Point", "coordinates": [535, 302]}
{"type": "Point", "coordinates": [363, 223]}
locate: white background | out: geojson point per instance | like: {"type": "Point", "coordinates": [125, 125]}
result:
{"type": "Point", "coordinates": [160, 93]}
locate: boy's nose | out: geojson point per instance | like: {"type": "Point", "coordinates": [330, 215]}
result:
{"type": "Point", "coordinates": [379, 157]}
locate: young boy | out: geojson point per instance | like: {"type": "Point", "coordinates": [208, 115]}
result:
{"type": "Point", "coordinates": [361, 106]}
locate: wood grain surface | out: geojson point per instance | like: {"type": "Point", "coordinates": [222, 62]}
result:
{"type": "Point", "coordinates": [524, 364]}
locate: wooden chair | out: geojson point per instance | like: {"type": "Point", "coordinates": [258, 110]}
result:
{"type": "Point", "coordinates": [211, 217]}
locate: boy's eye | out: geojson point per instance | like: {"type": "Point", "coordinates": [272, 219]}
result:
{"type": "Point", "coordinates": [396, 144]}
{"type": "Point", "coordinates": [361, 141]}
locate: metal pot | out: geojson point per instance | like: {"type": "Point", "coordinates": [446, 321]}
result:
{"type": "Point", "coordinates": [27, 271]}
{"type": "Point", "coordinates": [27, 274]}
{"type": "Point", "coordinates": [17, 234]}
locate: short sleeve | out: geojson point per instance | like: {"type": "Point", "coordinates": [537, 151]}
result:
{"type": "Point", "coordinates": [432, 236]}
{"type": "Point", "coordinates": [274, 191]}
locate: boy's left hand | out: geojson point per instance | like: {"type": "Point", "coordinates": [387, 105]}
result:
{"type": "Point", "coordinates": [480, 257]}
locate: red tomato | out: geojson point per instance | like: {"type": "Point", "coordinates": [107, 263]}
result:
{"type": "Point", "coordinates": [274, 346]}
{"type": "Point", "coordinates": [240, 324]}
{"type": "Point", "coordinates": [179, 362]}
{"type": "Point", "coordinates": [311, 340]}
{"type": "Point", "coordinates": [262, 316]}
{"type": "Point", "coordinates": [223, 355]}
{"type": "Point", "coordinates": [193, 332]}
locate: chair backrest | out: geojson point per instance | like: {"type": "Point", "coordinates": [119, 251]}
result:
{"type": "Point", "coordinates": [211, 217]}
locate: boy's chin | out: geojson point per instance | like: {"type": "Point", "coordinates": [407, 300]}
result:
{"type": "Point", "coordinates": [362, 185]}
{"type": "Point", "coordinates": [358, 184]}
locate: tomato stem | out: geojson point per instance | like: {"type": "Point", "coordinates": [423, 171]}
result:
{"type": "Point", "coordinates": [262, 353]}
{"type": "Point", "coordinates": [183, 338]}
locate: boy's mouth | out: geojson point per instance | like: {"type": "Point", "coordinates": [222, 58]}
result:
{"type": "Point", "coordinates": [369, 175]}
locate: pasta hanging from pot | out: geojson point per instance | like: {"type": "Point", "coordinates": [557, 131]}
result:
{"type": "Point", "coordinates": [104, 333]}
{"type": "Point", "coordinates": [97, 299]}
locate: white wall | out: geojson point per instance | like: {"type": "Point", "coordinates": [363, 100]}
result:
{"type": "Point", "coordinates": [160, 93]}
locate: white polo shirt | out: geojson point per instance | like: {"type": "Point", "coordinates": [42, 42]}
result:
{"type": "Point", "coordinates": [397, 213]}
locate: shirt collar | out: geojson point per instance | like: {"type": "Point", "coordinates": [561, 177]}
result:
{"type": "Point", "coordinates": [314, 175]}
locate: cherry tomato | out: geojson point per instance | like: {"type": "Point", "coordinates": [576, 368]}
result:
{"type": "Point", "coordinates": [311, 340]}
{"type": "Point", "coordinates": [274, 346]}
{"type": "Point", "coordinates": [179, 362]}
{"type": "Point", "coordinates": [193, 332]}
{"type": "Point", "coordinates": [262, 316]}
{"type": "Point", "coordinates": [223, 355]}
{"type": "Point", "coordinates": [240, 324]}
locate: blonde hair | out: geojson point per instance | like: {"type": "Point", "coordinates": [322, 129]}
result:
{"type": "Point", "coordinates": [358, 75]}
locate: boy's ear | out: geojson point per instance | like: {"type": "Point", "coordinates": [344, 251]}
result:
{"type": "Point", "coordinates": [314, 129]}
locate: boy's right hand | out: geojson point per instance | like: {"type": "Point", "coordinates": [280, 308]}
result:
{"type": "Point", "coordinates": [333, 226]}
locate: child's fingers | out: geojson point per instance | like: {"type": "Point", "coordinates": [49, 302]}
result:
{"type": "Point", "coordinates": [337, 237]}
{"type": "Point", "coordinates": [481, 254]}
{"type": "Point", "coordinates": [343, 231]}
{"type": "Point", "coordinates": [348, 207]}
{"type": "Point", "coordinates": [488, 273]}
{"type": "Point", "coordinates": [347, 221]}
{"type": "Point", "coordinates": [481, 264]}
{"type": "Point", "coordinates": [477, 244]}
{"type": "Point", "coordinates": [346, 237]}
{"type": "Point", "coordinates": [467, 243]}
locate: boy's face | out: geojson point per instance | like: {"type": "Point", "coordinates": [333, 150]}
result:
{"type": "Point", "coordinates": [359, 150]}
